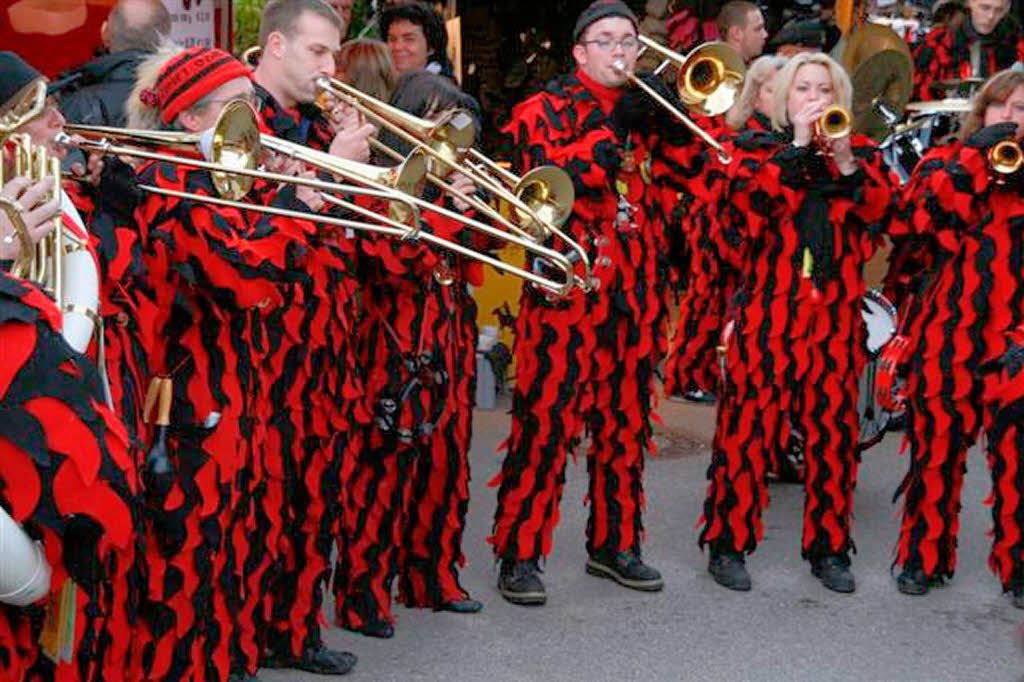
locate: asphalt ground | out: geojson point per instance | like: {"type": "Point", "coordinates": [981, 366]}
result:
{"type": "Point", "coordinates": [788, 627]}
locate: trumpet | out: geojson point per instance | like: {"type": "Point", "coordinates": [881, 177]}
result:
{"type": "Point", "coordinates": [233, 146]}
{"type": "Point", "coordinates": [1006, 157]}
{"type": "Point", "coordinates": [709, 81]}
{"type": "Point", "coordinates": [836, 122]}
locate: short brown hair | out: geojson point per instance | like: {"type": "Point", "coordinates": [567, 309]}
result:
{"type": "Point", "coordinates": [281, 15]}
{"type": "Point", "coordinates": [733, 14]}
{"type": "Point", "coordinates": [366, 65]}
{"type": "Point", "coordinates": [998, 88]}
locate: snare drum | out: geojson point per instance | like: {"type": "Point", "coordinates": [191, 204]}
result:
{"type": "Point", "coordinates": [880, 319]}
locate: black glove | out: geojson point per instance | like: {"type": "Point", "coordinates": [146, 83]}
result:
{"type": "Point", "coordinates": [636, 111]}
{"type": "Point", "coordinates": [991, 135]}
{"type": "Point", "coordinates": [118, 193]}
{"type": "Point", "coordinates": [81, 550]}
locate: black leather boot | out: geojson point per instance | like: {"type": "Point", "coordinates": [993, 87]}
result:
{"type": "Point", "coordinates": [729, 569]}
{"type": "Point", "coordinates": [519, 583]}
{"type": "Point", "coordinates": [833, 571]}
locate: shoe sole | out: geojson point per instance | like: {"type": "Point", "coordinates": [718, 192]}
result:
{"type": "Point", "coordinates": [834, 588]}
{"type": "Point", "coordinates": [602, 571]}
{"type": "Point", "coordinates": [912, 590]}
{"type": "Point", "coordinates": [524, 598]}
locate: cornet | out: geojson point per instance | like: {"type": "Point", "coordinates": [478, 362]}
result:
{"type": "Point", "coordinates": [835, 123]}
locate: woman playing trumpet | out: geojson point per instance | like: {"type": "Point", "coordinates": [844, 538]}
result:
{"type": "Point", "coordinates": [967, 341]}
{"type": "Point", "coordinates": [799, 217]}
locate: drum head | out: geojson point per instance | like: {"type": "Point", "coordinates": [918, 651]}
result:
{"type": "Point", "coordinates": [879, 318]}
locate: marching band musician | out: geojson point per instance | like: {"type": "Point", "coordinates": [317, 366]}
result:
{"type": "Point", "coordinates": [966, 342]}
{"type": "Point", "coordinates": [984, 42]}
{"type": "Point", "coordinates": [805, 219]}
{"type": "Point", "coordinates": [408, 493]}
{"type": "Point", "coordinates": [587, 362]}
{"type": "Point", "coordinates": [691, 369]}
{"type": "Point", "coordinates": [68, 479]}
{"type": "Point", "coordinates": [317, 390]}
{"type": "Point", "coordinates": [213, 276]}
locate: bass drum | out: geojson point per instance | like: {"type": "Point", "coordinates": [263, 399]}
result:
{"type": "Point", "coordinates": [880, 319]}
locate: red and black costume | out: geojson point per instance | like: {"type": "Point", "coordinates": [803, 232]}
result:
{"type": "Point", "coordinates": [692, 361]}
{"type": "Point", "coordinates": [312, 407]}
{"type": "Point", "coordinates": [944, 54]}
{"type": "Point", "coordinates": [587, 362]}
{"type": "Point", "coordinates": [964, 358]}
{"type": "Point", "coordinates": [797, 348]}
{"type": "Point", "coordinates": [407, 496]}
{"type": "Point", "coordinates": [209, 273]}
{"type": "Point", "coordinates": [69, 478]}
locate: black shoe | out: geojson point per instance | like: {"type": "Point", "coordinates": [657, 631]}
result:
{"type": "Point", "coordinates": [627, 569]}
{"type": "Point", "coordinates": [319, 660]}
{"type": "Point", "coordinates": [729, 569]}
{"type": "Point", "coordinates": [1018, 596]}
{"type": "Point", "coordinates": [913, 581]}
{"type": "Point", "coordinates": [834, 573]}
{"type": "Point", "coordinates": [467, 605]}
{"type": "Point", "coordinates": [519, 583]}
{"type": "Point", "coordinates": [376, 628]}
{"type": "Point", "coordinates": [242, 677]}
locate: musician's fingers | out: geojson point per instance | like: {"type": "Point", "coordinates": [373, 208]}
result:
{"type": "Point", "coordinates": [14, 187]}
{"type": "Point", "coordinates": [40, 222]}
{"type": "Point", "coordinates": [35, 194]}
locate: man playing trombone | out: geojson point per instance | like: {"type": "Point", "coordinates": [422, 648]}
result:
{"type": "Point", "coordinates": [587, 362]}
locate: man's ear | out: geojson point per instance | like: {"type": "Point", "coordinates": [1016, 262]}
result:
{"type": "Point", "coordinates": [275, 44]}
{"type": "Point", "coordinates": [579, 53]}
{"type": "Point", "coordinates": [735, 33]}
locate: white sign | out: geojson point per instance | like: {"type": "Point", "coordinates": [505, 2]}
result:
{"type": "Point", "coordinates": [192, 22]}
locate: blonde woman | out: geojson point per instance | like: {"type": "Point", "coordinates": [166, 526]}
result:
{"type": "Point", "coordinates": [803, 211]}
{"type": "Point", "coordinates": [753, 108]}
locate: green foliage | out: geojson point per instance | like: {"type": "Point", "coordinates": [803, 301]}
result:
{"type": "Point", "coordinates": [247, 21]}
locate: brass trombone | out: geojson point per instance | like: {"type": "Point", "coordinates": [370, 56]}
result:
{"type": "Point", "coordinates": [709, 81]}
{"type": "Point", "coordinates": [234, 145]}
{"type": "Point", "coordinates": [449, 142]}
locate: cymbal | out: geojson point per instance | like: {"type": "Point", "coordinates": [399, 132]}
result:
{"type": "Point", "coordinates": [885, 75]}
{"type": "Point", "coordinates": [952, 104]}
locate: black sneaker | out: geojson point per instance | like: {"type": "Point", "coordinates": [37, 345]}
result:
{"type": "Point", "coordinates": [913, 581]}
{"type": "Point", "coordinates": [519, 583]}
{"type": "Point", "coordinates": [729, 569]}
{"type": "Point", "coordinates": [627, 569]}
{"type": "Point", "coordinates": [380, 629]}
{"type": "Point", "coordinates": [1018, 596]}
{"type": "Point", "coordinates": [319, 660]}
{"type": "Point", "coordinates": [834, 573]}
{"type": "Point", "coordinates": [242, 677]}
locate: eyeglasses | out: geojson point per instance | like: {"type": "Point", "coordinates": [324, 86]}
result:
{"type": "Point", "coordinates": [628, 44]}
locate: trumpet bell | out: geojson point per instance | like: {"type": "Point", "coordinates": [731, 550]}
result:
{"type": "Point", "coordinates": [710, 78]}
{"type": "Point", "coordinates": [835, 123]}
{"type": "Point", "coordinates": [549, 193]}
{"type": "Point", "coordinates": [1006, 157]}
{"type": "Point", "coordinates": [234, 141]}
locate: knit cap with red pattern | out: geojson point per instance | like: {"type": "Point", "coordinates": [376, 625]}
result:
{"type": "Point", "coordinates": [190, 75]}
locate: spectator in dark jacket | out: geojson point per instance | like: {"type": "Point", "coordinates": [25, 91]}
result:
{"type": "Point", "coordinates": [95, 93]}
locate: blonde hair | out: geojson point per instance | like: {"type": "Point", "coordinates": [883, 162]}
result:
{"type": "Point", "coordinates": [140, 114]}
{"type": "Point", "coordinates": [366, 65]}
{"type": "Point", "coordinates": [998, 88]}
{"type": "Point", "coordinates": [840, 83]}
{"type": "Point", "coordinates": [760, 71]}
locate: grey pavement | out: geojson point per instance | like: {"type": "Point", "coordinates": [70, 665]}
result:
{"type": "Point", "coordinates": [788, 628]}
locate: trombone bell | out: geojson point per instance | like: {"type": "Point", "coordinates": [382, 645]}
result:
{"type": "Point", "coordinates": [1006, 157]}
{"type": "Point", "coordinates": [235, 143]}
{"type": "Point", "coordinates": [710, 78]}
{"type": "Point", "coordinates": [549, 193]}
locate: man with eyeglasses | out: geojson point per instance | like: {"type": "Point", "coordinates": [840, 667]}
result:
{"type": "Point", "coordinates": [586, 363]}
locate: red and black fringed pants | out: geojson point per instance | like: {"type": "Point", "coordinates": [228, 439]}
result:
{"type": "Point", "coordinates": [573, 377]}
{"type": "Point", "coordinates": [952, 394]}
{"type": "Point", "coordinates": [788, 365]}
{"type": "Point", "coordinates": [408, 493]}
